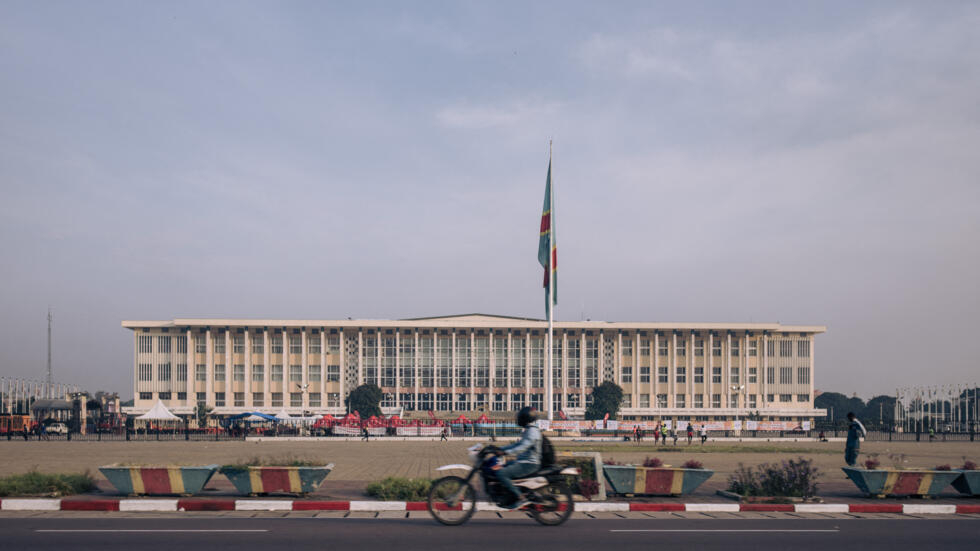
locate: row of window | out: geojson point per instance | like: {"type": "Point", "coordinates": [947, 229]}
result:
{"type": "Point", "coordinates": [680, 400]}
{"type": "Point", "coordinates": [480, 346]}
{"type": "Point", "coordinates": [258, 399]}
{"type": "Point", "coordinates": [471, 402]}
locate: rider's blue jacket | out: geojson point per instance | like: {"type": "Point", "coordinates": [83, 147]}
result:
{"type": "Point", "coordinates": [528, 448]}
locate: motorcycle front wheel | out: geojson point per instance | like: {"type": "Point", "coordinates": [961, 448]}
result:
{"type": "Point", "coordinates": [452, 501]}
{"type": "Point", "coordinates": [554, 504]}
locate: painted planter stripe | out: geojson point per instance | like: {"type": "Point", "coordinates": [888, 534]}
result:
{"type": "Point", "coordinates": [899, 483]}
{"type": "Point", "coordinates": [159, 480]}
{"type": "Point", "coordinates": [968, 509]}
{"type": "Point", "coordinates": [268, 480]}
{"type": "Point", "coordinates": [628, 479]}
{"type": "Point", "coordinates": [968, 482]}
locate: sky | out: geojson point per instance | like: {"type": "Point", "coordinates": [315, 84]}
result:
{"type": "Point", "coordinates": [804, 163]}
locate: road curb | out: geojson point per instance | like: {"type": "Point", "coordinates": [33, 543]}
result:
{"type": "Point", "coordinates": [191, 504]}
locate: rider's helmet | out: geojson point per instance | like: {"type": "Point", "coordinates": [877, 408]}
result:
{"type": "Point", "coordinates": [526, 416]}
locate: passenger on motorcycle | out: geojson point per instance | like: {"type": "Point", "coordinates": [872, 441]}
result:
{"type": "Point", "coordinates": [528, 452]}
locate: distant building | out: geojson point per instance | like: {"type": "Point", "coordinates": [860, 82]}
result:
{"type": "Point", "coordinates": [475, 362]}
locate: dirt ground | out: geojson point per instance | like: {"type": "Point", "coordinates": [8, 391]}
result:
{"type": "Point", "coordinates": [357, 463]}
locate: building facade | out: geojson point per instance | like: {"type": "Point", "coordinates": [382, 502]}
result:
{"type": "Point", "coordinates": [476, 363]}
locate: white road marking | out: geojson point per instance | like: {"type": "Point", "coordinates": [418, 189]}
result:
{"type": "Point", "coordinates": [148, 530]}
{"type": "Point", "coordinates": [733, 530]}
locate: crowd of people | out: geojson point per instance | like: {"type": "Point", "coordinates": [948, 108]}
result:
{"type": "Point", "coordinates": [661, 433]}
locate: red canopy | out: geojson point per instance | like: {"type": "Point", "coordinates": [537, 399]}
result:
{"type": "Point", "coordinates": [483, 419]}
{"type": "Point", "coordinates": [325, 421]}
{"type": "Point", "coordinates": [462, 419]}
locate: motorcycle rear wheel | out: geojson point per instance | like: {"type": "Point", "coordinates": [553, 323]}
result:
{"type": "Point", "coordinates": [557, 504]}
{"type": "Point", "coordinates": [452, 501]}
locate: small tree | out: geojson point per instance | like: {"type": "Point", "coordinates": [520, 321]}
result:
{"type": "Point", "coordinates": [202, 411]}
{"type": "Point", "coordinates": [606, 398]}
{"type": "Point", "coordinates": [365, 400]}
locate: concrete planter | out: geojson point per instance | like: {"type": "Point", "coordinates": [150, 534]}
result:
{"type": "Point", "coordinates": [162, 480]}
{"type": "Point", "coordinates": [273, 480]}
{"type": "Point", "coordinates": [629, 479]}
{"type": "Point", "coordinates": [899, 482]}
{"type": "Point", "coordinates": [968, 482]}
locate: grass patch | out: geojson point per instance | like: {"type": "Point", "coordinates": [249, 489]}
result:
{"type": "Point", "coordinates": [40, 484]}
{"type": "Point", "coordinates": [627, 448]}
{"type": "Point", "coordinates": [283, 461]}
{"type": "Point", "coordinates": [396, 488]}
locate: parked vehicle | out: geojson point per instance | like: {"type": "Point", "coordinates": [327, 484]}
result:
{"type": "Point", "coordinates": [452, 499]}
{"type": "Point", "coordinates": [57, 428]}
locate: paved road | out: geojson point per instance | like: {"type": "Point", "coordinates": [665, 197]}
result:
{"type": "Point", "coordinates": [406, 534]}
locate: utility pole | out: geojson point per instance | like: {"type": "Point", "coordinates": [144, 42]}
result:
{"type": "Point", "coordinates": [48, 386]}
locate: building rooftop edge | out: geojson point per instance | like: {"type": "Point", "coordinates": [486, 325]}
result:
{"type": "Point", "coordinates": [455, 321]}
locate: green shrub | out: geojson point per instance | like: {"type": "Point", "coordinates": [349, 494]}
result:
{"type": "Point", "coordinates": [396, 488]}
{"type": "Point", "coordinates": [283, 461]}
{"type": "Point", "coordinates": [791, 478]}
{"type": "Point", "coordinates": [36, 484]}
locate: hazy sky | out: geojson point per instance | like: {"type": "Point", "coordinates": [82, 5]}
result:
{"type": "Point", "coordinates": [799, 162]}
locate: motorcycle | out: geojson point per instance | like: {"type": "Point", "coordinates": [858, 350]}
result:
{"type": "Point", "coordinates": [452, 499]}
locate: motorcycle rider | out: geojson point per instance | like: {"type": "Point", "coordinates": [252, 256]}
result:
{"type": "Point", "coordinates": [528, 452]}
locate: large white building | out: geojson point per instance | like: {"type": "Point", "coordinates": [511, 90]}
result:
{"type": "Point", "coordinates": [466, 363]}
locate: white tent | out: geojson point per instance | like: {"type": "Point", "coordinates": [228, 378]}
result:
{"type": "Point", "coordinates": [282, 415]}
{"type": "Point", "coordinates": [159, 412]}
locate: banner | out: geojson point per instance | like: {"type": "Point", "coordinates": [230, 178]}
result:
{"type": "Point", "coordinates": [419, 431]}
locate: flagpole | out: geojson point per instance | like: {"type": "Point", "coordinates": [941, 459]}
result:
{"type": "Point", "coordinates": [551, 294]}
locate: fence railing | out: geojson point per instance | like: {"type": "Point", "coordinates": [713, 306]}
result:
{"type": "Point", "coordinates": [472, 431]}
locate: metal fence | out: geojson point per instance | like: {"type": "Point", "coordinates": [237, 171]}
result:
{"type": "Point", "coordinates": [490, 433]}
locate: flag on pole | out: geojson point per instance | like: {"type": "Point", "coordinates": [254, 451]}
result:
{"type": "Point", "coordinates": [547, 241]}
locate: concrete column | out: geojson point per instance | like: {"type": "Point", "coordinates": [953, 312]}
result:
{"type": "Point", "coordinates": [709, 382]}
{"type": "Point", "coordinates": [398, 365]}
{"type": "Point", "coordinates": [208, 369]}
{"type": "Point", "coordinates": [323, 368]}
{"type": "Point", "coordinates": [191, 367]}
{"type": "Point", "coordinates": [247, 340]}
{"type": "Point", "coordinates": [266, 371]}
{"type": "Point", "coordinates": [304, 362]}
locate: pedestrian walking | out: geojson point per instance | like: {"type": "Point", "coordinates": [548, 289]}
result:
{"type": "Point", "coordinates": [855, 431]}
{"type": "Point", "coordinates": [636, 434]}
{"type": "Point", "coordinates": [364, 434]}
{"type": "Point", "coordinates": [704, 434]}
{"type": "Point", "coordinates": [673, 434]}
{"type": "Point", "coordinates": [444, 435]}
{"type": "Point", "coordinates": [663, 433]}
{"type": "Point", "coordinates": [690, 434]}
{"type": "Point", "coordinates": [656, 434]}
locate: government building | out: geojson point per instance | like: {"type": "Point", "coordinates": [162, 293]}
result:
{"type": "Point", "coordinates": [477, 363]}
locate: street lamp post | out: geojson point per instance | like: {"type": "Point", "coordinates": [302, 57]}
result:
{"type": "Point", "coordinates": [737, 389]}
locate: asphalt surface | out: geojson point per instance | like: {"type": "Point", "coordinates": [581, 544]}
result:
{"type": "Point", "coordinates": [407, 534]}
